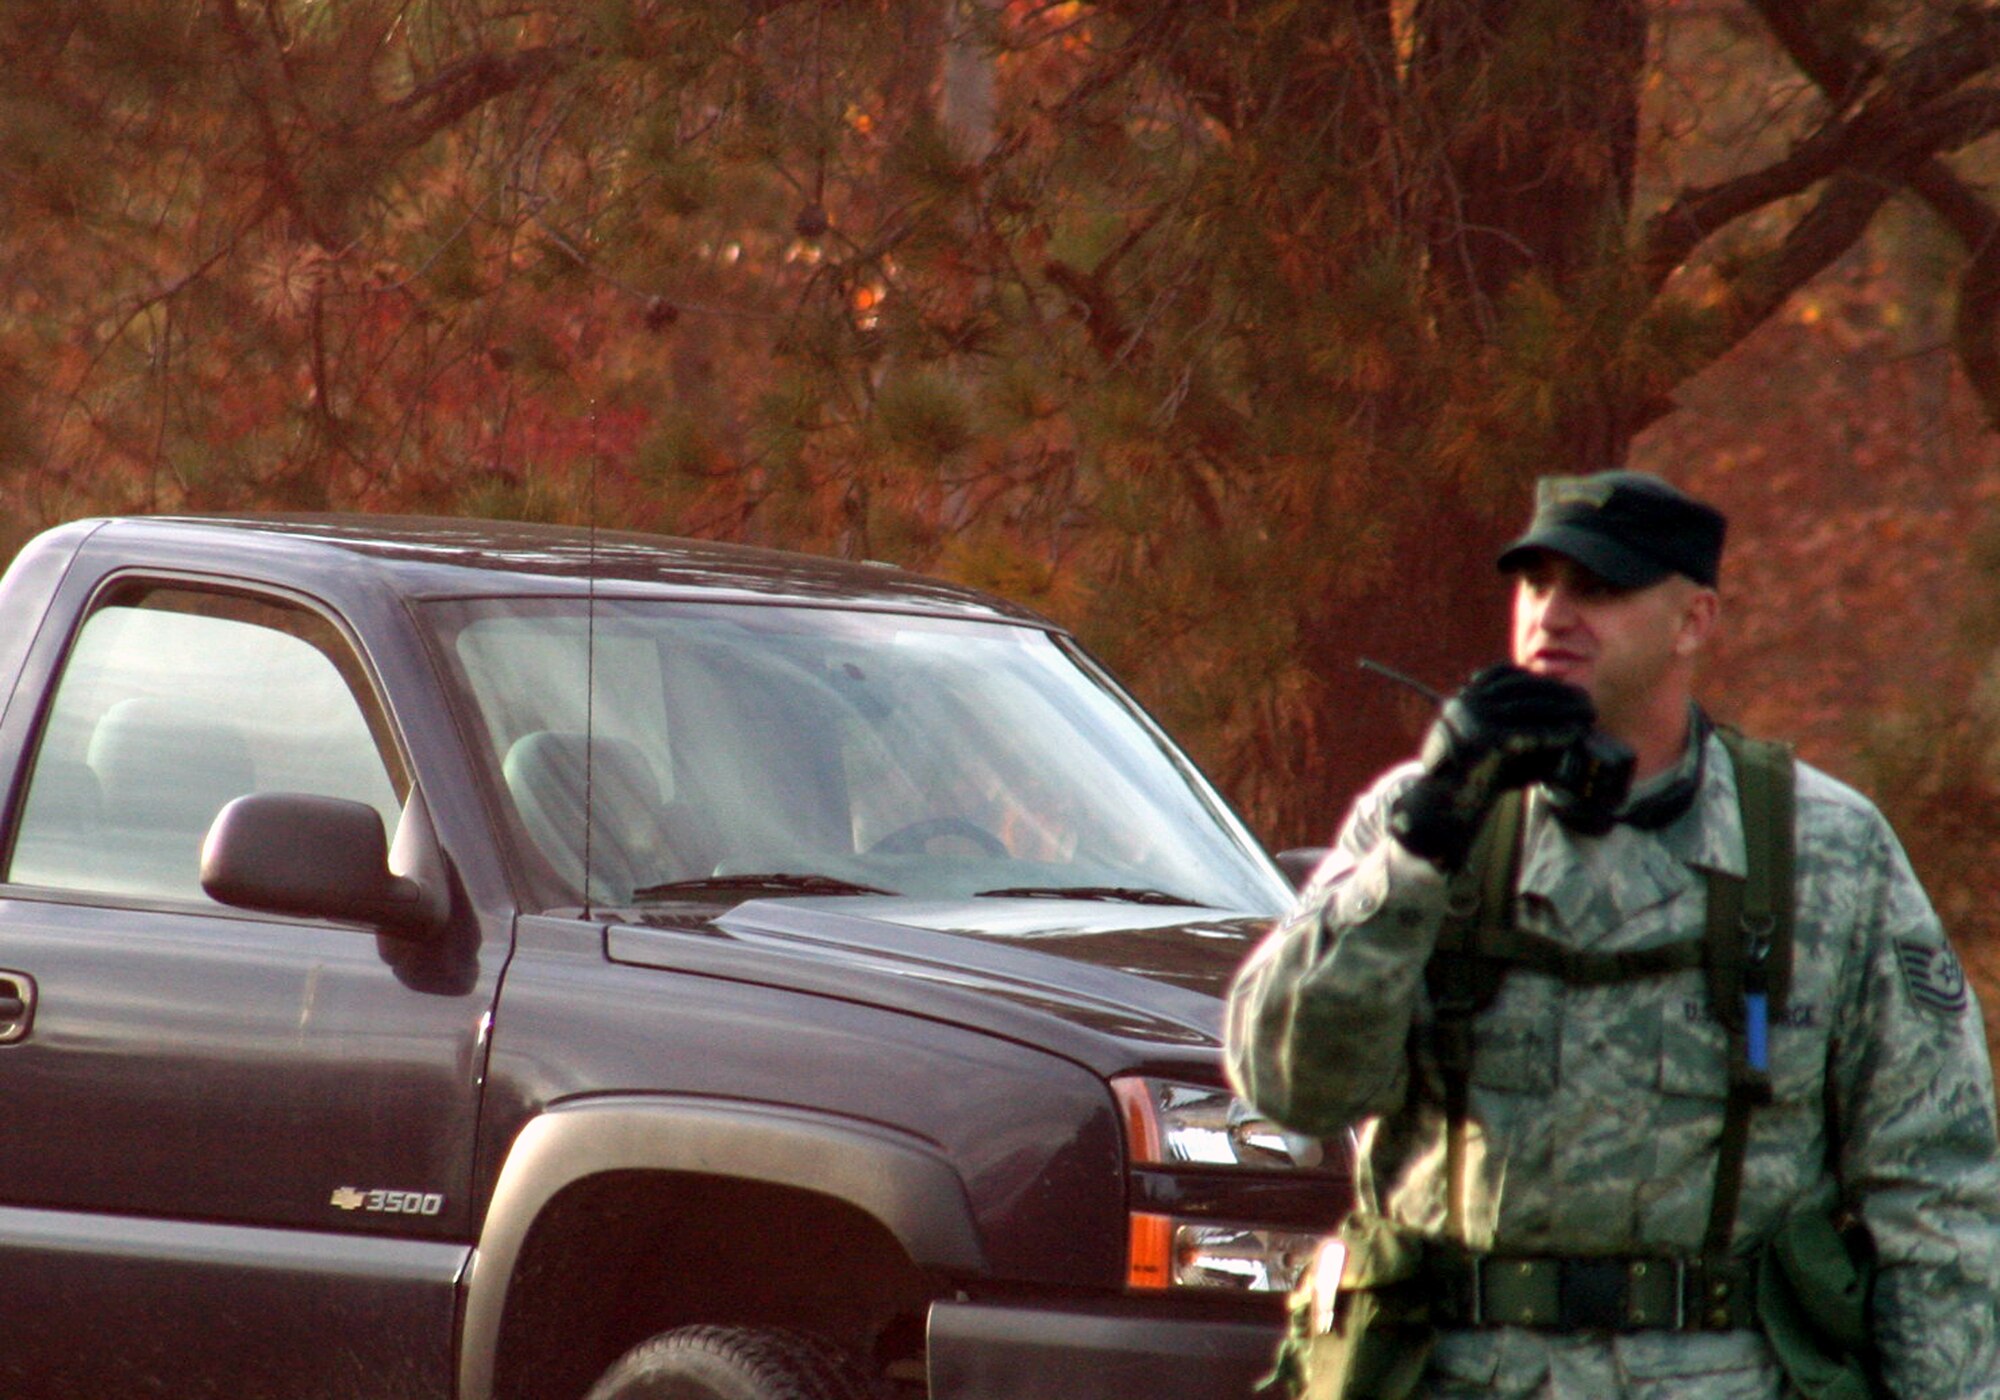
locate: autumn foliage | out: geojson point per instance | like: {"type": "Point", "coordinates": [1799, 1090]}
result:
{"type": "Point", "coordinates": [1231, 334]}
{"type": "Point", "coordinates": [1859, 602]}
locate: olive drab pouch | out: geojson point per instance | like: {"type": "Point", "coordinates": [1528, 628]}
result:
{"type": "Point", "coordinates": [1812, 1301]}
{"type": "Point", "coordinates": [1358, 1327]}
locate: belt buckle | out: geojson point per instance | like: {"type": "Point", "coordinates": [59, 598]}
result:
{"type": "Point", "coordinates": [1594, 1294]}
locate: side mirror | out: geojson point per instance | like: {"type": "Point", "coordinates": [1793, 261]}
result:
{"type": "Point", "coordinates": [315, 857]}
{"type": "Point", "coordinates": [1299, 863]}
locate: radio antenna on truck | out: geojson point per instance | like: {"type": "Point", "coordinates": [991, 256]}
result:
{"type": "Point", "coordinates": [590, 663]}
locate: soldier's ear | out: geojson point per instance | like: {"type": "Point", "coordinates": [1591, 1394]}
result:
{"type": "Point", "coordinates": [1699, 610]}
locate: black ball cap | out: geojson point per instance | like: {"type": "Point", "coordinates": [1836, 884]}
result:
{"type": "Point", "coordinates": [1628, 528]}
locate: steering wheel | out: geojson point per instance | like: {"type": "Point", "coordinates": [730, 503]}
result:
{"type": "Point", "coordinates": [912, 839]}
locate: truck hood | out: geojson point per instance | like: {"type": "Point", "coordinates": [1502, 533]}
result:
{"type": "Point", "coordinates": [1132, 974]}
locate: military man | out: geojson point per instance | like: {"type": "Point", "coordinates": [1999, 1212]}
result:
{"type": "Point", "coordinates": [1583, 1159]}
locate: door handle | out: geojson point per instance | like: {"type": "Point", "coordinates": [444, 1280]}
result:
{"type": "Point", "coordinates": [17, 1006]}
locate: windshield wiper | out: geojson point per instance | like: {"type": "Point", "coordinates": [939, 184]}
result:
{"type": "Point", "coordinates": [1120, 894]}
{"type": "Point", "coordinates": [773, 882]}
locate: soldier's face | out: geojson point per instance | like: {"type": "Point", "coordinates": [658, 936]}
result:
{"type": "Point", "coordinates": [1632, 649]}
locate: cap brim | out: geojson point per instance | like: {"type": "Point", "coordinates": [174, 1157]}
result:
{"type": "Point", "coordinates": [1611, 561]}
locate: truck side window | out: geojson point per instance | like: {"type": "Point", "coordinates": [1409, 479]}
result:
{"type": "Point", "coordinates": [174, 701]}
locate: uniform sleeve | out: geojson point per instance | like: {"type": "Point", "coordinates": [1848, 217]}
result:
{"type": "Point", "coordinates": [1914, 1111]}
{"type": "Point", "coordinates": [1320, 1014]}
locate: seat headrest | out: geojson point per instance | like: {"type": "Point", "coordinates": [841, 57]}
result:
{"type": "Point", "coordinates": [558, 778]}
{"type": "Point", "coordinates": [168, 763]}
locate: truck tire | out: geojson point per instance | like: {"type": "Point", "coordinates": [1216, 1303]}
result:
{"type": "Point", "coordinates": [733, 1363]}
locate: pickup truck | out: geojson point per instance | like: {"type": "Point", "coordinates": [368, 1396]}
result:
{"type": "Point", "coordinates": [450, 959]}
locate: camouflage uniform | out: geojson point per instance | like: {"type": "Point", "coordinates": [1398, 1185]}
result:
{"type": "Point", "coordinates": [1597, 1110]}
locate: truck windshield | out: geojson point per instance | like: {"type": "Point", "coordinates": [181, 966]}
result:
{"type": "Point", "coordinates": [654, 751]}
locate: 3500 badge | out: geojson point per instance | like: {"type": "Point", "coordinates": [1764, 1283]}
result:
{"type": "Point", "coordinates": [387, 1202]}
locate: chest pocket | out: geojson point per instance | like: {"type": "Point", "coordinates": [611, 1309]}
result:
{"type": "Point", "coordinates": [1517, 1042]}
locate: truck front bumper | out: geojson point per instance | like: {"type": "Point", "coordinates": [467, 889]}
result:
{"type": "Point", "coordinates": [1111, 1350]}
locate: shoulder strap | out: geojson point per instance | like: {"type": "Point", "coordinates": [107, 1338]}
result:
{"type": "Point", "coordinates": [1748, 946]}
{"type": "Point", "coordinates": [1464, 975]}
{"type": "Point", "coordinates": [1766, 784]}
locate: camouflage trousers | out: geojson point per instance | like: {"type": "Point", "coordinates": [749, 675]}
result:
{"type": "Point", "coordinates": [1521, 1365]}
{"type": "Point", "coordinates": [1513, 1364]}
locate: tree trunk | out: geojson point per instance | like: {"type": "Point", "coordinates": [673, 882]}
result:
{"type": "Point", "coordinates": [1443, 615]}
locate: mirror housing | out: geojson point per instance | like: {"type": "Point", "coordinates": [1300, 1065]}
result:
{"type": "Point", "coordinates": [318, 858]}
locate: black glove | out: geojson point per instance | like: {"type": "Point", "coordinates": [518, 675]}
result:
{"type": "Point", "coordinates": [1506, 729]}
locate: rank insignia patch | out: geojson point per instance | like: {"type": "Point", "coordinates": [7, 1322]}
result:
{"type": "Point", "coordinates": [1936, 981]}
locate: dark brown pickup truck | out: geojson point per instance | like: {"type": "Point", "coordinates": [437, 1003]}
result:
{"type": "Point", "coordinates": [456, 960]}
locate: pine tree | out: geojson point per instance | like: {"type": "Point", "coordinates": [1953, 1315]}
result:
{"type": "Point", "coordinates": [1232, 334]}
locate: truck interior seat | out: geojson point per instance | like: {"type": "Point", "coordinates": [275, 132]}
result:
{"type": "Point", "coordinates": [546, 776]}
{"type": "Point", "coordinates": [165, 769]}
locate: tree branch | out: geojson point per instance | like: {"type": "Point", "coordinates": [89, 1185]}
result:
{"type": "Point", "coordinates": [259, 76]}
{"type": "Point", "coordinates": [1887, 139]}
{"type": "Point", "coordinates": [442, 100]}
{"type": "Point", "coordinates": [1828, 230]}
{"type": "Point", "coordinates": [1841, 68]}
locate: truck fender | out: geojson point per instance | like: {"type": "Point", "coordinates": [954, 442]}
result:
{"type": "Point", "coordinates": [900, 1180]}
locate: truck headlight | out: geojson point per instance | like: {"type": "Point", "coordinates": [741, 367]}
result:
{"type": "Point", "coordinates": [1174, 1124]}
{"type": "Point", "coordinates": [1170, 1253]}
{"type": "Point", "coordinates": [1208, 1135]}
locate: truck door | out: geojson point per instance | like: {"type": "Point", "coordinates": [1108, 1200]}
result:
{"type": "Point", "coordinates": [239, 1146]}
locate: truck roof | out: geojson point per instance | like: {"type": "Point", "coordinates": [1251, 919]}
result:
{"type": "Point", "coordinates": [444, 557]}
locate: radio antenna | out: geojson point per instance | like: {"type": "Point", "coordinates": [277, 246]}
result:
{"type": "Point", "coordinates": [1435, 697]}
{"type": "Point", "coordinates": [590, 664]}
